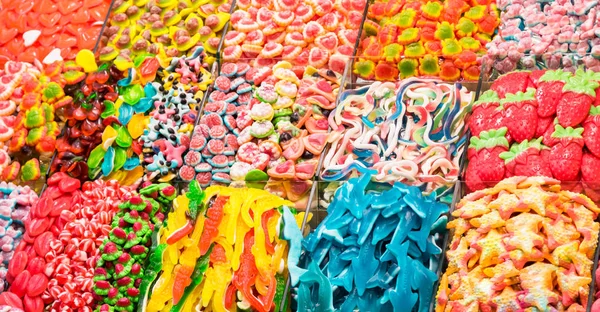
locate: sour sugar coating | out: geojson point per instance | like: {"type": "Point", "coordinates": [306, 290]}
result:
{"type": "Point", "coordinates": [35, 253]}
{"type": "Point", "coordinates": [410, 132]}
{"type": "Point", "coordinates": [175, 107]}
{"type": "Point", "coordinates": [537, 123]}
{"type": "Point", "coordinates": [15, 204]}
{"type": "Point", "coordinates": [215, 140]}
{"type": "Point", "coordinates": [320, 33]}
{"type": "Point", "coordinates": [225, 263]}
{"type": "Point", "coordinates": [119, 275]}
{"type": "Point", "coordinates": [533, 33]}
{"type": "Point", "coordinates": [509, 233]}
{"type": "Point", "coordinates": [389, 257]}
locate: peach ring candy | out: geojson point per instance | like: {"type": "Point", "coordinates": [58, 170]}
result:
{"type": "Point", "coordinates": [524, 243]}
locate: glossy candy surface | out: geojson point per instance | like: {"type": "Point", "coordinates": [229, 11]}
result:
{"type": "Point", "coordinates": [231, 255]}
{"type": "Point", "coordinates": [445, 39]}
{"type": "Point", "coordinates": [378, 247]}
{"type": "Point", "coordinates": [36, 29]}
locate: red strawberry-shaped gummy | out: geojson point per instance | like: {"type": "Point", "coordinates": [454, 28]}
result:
{"type": "Point", "coordinates": [549, 91]}
{"type": "Point", "coordinates": [578, 95]}
{"type": "Point", "coordinates": [487, 168]}
{"type": "Point", "coordinates": [590, 171]}
{"type": "Point", "coordinates": [486, 115]}
{"type": "Point", "coordinates": [520, 115]}
{"type": "Point", "coordinates": [511, 83]}
{"type": "Point", "coordinates": [591, 131]}
{"type": "Point", "coordinates": [526, 159]}
{"type": "Point", "coordinates": [565, 155]}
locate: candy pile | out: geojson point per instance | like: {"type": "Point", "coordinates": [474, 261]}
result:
{"type": "Point", "coordinates": [410, 132]}
{"type": "Point", "coordinates": [73, 255]}
{"type": "Point", "coordinates": [53, 28]}
{"type": "Point", "coordinates": [91, 110]}
{"type": "Point", "coordinates": [15, 204]}
{"type": "Point", "coordinates": [175, 101]}
{"type": "Point", "coordinates": [545, 29]}
{"type": "Point", "coordinates": [425, 38]}
{"type": "Point", "coordinates": [223, 249]}
{"type": "Point", "coordinates": [523, 243]}
{"type": "Point", "coordinates": [34, 260]}
{"type": "Point", "coordinates": [215, 139]}
{"type": "Point", "coordinates": [29, 96]}
{"type": "Point", "coordinates": [320, 33]}
{"type": "Point", "coordinates": [549, 118]}
{"type": "Point", "coordinates": [375, 250]}
{"type": "Point", "coordinates": [166, 28]}
{"type": "Point", "coordinates": [119, 272]}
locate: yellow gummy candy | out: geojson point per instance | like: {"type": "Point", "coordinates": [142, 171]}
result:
{"type": "Point", "coordinates": [85, 58]}
{"type": "Point", "coordinates": [137, 125]}
{"type": "Point", "coordinates": [108, 137]}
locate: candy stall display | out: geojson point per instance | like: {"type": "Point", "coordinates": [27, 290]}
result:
{"type": "Point", "coordinates": [49, 30]}
{"type": "Point", "coordinates": [121, 273]}
{"type": "Point", "coordinates": [224, 248]}
{"type": "Point", "coordinates": [377, 249]}
{"type": "Point", "coordinates": [167, 28]}
{"type": "Point", "coordinates": [425, 38]}
{"type": "Point", "coordinates": [526, 242]}
{"type": "Point", "coordinates": [540, 123]}
{"type": "Point", "coordinates": [173, 103]}
{"type": "Point", "coordinates": [411, 132]}
{"type": "Point", "coordinates": [553, 33]}
{"type": "Point", "coordinates": [320, 33]}
{"type": "Point", "coordinates": [15, 204]}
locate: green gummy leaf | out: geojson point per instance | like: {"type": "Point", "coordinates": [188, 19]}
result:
{"type": "Point", "coordinates": [519, 96]}
{"type": "Point", "coordinates": [556, 75]}
{"type": "Point", "coordinates": [569, 132]}
{"type": "Point", "coordinates": [490, 139]}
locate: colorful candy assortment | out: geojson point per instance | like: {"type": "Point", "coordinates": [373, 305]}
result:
{"type": "Point", "coordinates": [426, 38]}
{"type": "Point", "coordinates": [409, 132]}
{"type": "Point", "coordinates": [52, 29]}
{"type": "Point", "coordinates": [119, 276]}
{"type": "Point", "coordinates": [224, 249]}
{"type": "Point", "coordinates": [175, 103]}
{"type": "Point", "coordinates": [320, 33]}
{"type": "Point", "coordinates": [15, 204]}
{"type": "Point", "coordinates": [524, 243]}
{"type": "Point", "coordinates": [375, 250]}
{"type": "Point", "coordinates": [74, 253]}
{"type": "Point", "coordinates": [29, 97]}
{"type": "Point", "coordinates": [531, 31]}
{"type": "Point", "coordinates": [540, 123]}
{"type": "Point", "coordinates": [167, 28]}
